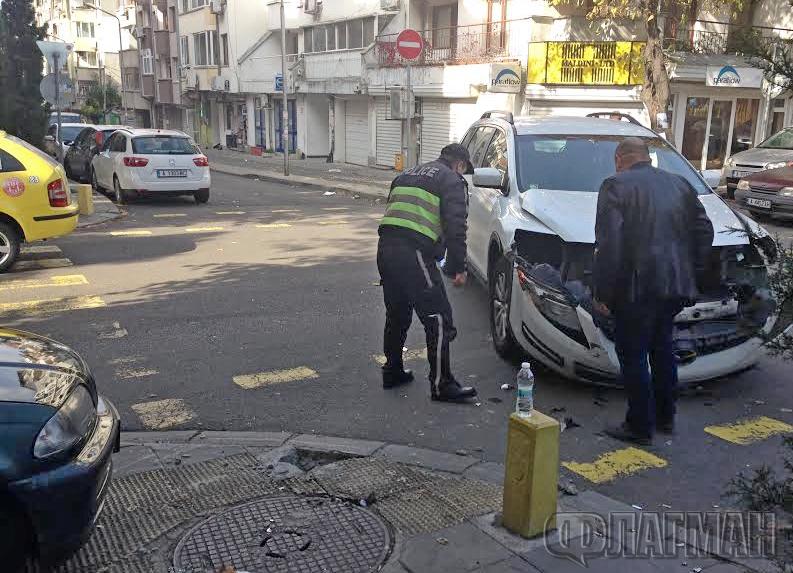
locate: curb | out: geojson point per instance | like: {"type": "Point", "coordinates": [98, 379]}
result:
{"type": "Point", "coordinates": [350, 189]}
{"type": "Point", "coordinates": [111, 217]}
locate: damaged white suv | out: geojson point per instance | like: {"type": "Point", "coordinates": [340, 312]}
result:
{"type": "Point", "coordinates": [531, 234]}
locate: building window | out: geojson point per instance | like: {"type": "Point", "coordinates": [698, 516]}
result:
{"type": "Point", "coordinates": [331, 33]}
{"type": "Point", "coordinates": [131, 80]}
{"type": "Point", "coordinates": [341, 35]}
{"type": "Point", "coordinates": [777, 117]}
{"type": "Point", "coordinates": [184, 50]}
{"type": "Point", "coordinates": [198, 3]}
{"type": "Point", "coordinates": [148, 62]}
{"type": "Point", "coordinates": [172, 18]}
{"type": "Point", "coordinates": [224, 40]}
{"type": "Point", "coordinates": [84, 86]}
{"type": "Point", "coordinates": [87, 59]}
{"type": "Point", "coordinates": [85, 29]}
{"type": "Point", "coordinates": [355, 34]}
{"type": "Point", "coordinates": [205, 47]}
{"type": "Point", "coordinates": [308, 40]}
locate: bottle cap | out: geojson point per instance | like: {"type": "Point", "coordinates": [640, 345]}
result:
{"type": "Point", "coordinates": [525, 365]}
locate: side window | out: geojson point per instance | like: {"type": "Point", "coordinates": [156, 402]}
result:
{"type": "Point", "coordinates": [496, 155]}
{"type": "Point", "coordinates": [468, 137]}
{"type": "Point", "coordinates": [9, 163]}
{"type": "Point", "coordinates": [108, 146]}
{"type": "Point", "coordinates": [119, 143]}
{"type": "Point", "coordinates": [479, 143]}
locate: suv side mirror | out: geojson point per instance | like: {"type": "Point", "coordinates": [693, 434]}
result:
{"type": "Point", "coordinates": [489, 178]}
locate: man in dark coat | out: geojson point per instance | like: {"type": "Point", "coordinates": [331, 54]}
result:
{"type": "Point", "coordinates": [653, 238]}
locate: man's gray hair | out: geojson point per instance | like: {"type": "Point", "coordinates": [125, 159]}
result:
{"type": "Point", "coordinates": [633, 147]}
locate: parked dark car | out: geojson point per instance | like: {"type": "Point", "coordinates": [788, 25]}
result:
{"type": "Point", "coordinates": [88, 143]}
{"type": "Point", "coordinates": [768, 193]}
{"type": "Point", "coordinates": [57, 436]}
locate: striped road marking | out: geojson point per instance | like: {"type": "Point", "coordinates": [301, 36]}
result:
{"type": "Point", "coordinates": [407, 356]}
{"type": "Point", "coordinates": [36, 307]}
{"type": "Point", "coordinates": [250, 381]}
{"type": "Point", "coordinates": [203, 229]}
{"type": "Point", "coordinates": [273, 226]}
{"type": "Point", "coordinates": [57, 281]}
{"type": "Point", "coordinates": [749, 431]}
{"type": "Point", "coordinates": [40, 249]}
{"type": "Point", "coordinates": [163, 414]}
{"type": "Point", "coordinates": [130, 233]}
{"type": "Point", "coordinates": [329, 223]}
{"type": "Point", "coordinates": [39, 264]}
{"type": "Point", "coordinates": [611, 465]}
{"type": "Point", "coordinates": [229, 212]}
{"type": "Point", "coordinates": [169, 215]}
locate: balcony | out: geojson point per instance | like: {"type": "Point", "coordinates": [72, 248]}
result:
{"type": "Point", "coordinates": [720, 38]}
{"type": "Point", "coordinates": [338, 64]}
{"type": "Point", "coordinates": [163, 40]}
{"type": "Point", "coordinates": [473, 44]}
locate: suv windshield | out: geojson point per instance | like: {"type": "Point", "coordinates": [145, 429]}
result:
{"type": "Point", "coordinates": [582, 162]}
{"type": "Point", "coordinates": [781, 140]}
{"type": "Point", "coordinates": [70, 133]}
{"type": "Point", "coordinates": [163, 145]}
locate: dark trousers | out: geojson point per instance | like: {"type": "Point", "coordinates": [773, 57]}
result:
{"type": "Point", "coordinates": [644, 333]}
{"type": "Point", "coordinates": [411, 281]}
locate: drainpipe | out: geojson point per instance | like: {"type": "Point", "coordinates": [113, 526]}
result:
{"type": "Point", "coordinates": [332, 125]}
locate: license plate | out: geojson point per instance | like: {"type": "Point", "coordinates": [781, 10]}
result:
{"type": "Point", "coordinates": [162, 173]}
{"type": "Point", "coordinates": [760, 203]}
{"type": "Point", "coordinates": [741, 174]}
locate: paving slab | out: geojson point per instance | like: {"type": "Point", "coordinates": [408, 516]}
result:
{"type": "Point", "coordinates": [332, 444]}
{"type": "Point", "coordinates": [490, 472]}
{"type": "Point", "coordinates": [459, 548]}
{"type": "Point", "coordinates": [134, 459]}
{"type": "Point", "coordinates": [491, 525]}
{"type": "Point", "coordinates": [261, 439]}
{"type": "Point", "coordinates": [191, 453]}
{"type": "Point", "coordinates": [725, 568]}
{"type": "Point", "coordinates": [512, 565]}
{"type": "Point", "coordinates": [430, 459]}
{"type": "Point", "coordinates": [138, 438]}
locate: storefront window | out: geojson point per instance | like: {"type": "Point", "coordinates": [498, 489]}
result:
{"type": "Point", "coordinates": [695, 128]}
{"type": "Point", "coordinates": [745, 124]}
{"type": "Point", "coordinates": [718, 138]}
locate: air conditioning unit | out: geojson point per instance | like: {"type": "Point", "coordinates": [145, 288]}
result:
{"type": "Point", "coordinates": [191, 81]}
{"type": "Point", "coordinates": [312, 6]}
{"type": "Point", "coordinates": [221, 84]}
{"type": "Point", "coordinates": [217, 6]}
{"type": "Point", "coordinates": [389, 5]}
{"type": "Point", "coordinates": [139, 32]}
{"type": "Point", "coordinates": [399, 103]}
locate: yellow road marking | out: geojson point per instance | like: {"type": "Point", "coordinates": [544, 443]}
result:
{"type": "Point", "coordinates": [250, 381]}
{"type": "Point", "coordinates": [273, 226]}
{"type": "Point", "coordinates": [41, 264]}
{"type": "Point", "coordinates": [229, 212]}
{"type": "Point", "coordinates": [57, 281]}
{"type": "Point", "coordinates": [617, 463]}
{"type": "Point", "coordinates": [169, 215]}
{"type": "Point", "coordinates": [130, 233]}
{"type": "Point", "coordinates": [203, 229]}
{"type": "Point", "coordinates": [163, 414]}
{"type": "Point", "coordinates": [39, 249]}
{"type": "Point", "coordinates": [328, 223]}
{"type": "Point", "coordinates": [34, 307]}
{"type": "Point", "coordinates": [407, 356]}
{"type": "Point", "coordinates": [748, 431]}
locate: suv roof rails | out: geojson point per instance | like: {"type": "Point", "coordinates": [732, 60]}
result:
{"type": "Point", "coordinates": [612, 114]}
{"type": "Point", "coordinates": [505, 115]}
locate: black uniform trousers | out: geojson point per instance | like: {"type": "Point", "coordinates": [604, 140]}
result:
{"type": "Point", "coordinates": [411, 281]}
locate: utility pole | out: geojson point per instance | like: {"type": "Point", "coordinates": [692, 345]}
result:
{"type": "Point", "coordinates": [285, 110]}
{"type": "Point", "coordinates": [120, 61]}
{"type": "Point", "coordinates": [59, 139]}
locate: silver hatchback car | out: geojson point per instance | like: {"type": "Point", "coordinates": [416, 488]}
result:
{"type": "Point", "coordinates": [773, 153]}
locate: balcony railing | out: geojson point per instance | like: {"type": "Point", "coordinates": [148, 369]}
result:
{"type": "Point", "coordinates": [719, 38]}
{"type": "Point", "coordinates": [470, 44]}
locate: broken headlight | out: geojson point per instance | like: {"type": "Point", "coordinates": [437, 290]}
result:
{"type": "Point", "coordinates": [556, 306]}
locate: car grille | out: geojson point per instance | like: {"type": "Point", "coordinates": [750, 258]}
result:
{"type": "Point", "coordinates": [763, 190]}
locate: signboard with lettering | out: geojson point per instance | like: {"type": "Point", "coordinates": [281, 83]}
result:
{"type": "Point", "coordinates": [732, 77]}
{"type": "Point", "coordinates": [586, 63]}
{"type": "Point", "coordinates": [505, 78]}
{"type": "Point", "coordinates": [279, 82]}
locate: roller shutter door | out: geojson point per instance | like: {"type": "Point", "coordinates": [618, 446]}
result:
{"type": "Point", "coordinates": [389, 135]}
{"type": "Point", "coordinates": [356, 132]}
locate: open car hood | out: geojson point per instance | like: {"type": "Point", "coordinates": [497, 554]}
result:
{"type": "Point", "coordinates": [571, 215]}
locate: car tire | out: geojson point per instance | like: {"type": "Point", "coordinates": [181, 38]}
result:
{"type": "Point", "coordinates": [201, 196]}
{"type": "Point", "coordinates": [95, 182]}
{"type": "Point", "coordinates": [10, 243]}
{"type": "Point", "coordinates": [16, 540]}
{"type": "Point", "coordinates": [119, 194]}
{"type": "Point", "coordinates": [500, 291]}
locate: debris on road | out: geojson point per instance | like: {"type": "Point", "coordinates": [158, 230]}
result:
{"type": "Point", "coordinates": [329, 193]}
{"type": "Point", "coordinates": [786, 410]}
{"type": "Point", "coordinates": [569, 423]}
{"type": "Point", "coordinates": [506, 387]}
{"type": "Point", "coordinates": [566, 486]}
{"type": "Point", "coordinates": [639, 507]}
{"type": "Point", "coordinates": [442, 541]}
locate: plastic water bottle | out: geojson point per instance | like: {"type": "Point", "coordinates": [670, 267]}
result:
{"type": "Point", "coordinates": [525, 383]}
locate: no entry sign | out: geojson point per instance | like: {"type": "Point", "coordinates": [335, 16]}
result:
{"type": "Point", "coordinates": [410, 44]}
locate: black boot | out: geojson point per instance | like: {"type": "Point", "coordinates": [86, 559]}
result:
{"type": "Point", "coordinates": [393, 378]}
{"type": "Point", "coordinates": [625, 433]}
{"type": "Point", "coordinates": [450, 390]}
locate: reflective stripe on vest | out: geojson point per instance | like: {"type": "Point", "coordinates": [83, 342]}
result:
{"type": "Point", "coordinates": [416, 209]}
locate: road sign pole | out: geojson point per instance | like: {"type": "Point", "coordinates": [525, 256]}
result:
{"type": "Point", "coordinates": [59, 137]}
{"type": "Point", "coordinates": [410, 45]}
{"type": "Point", "coordinates": [410, 159]}
{"type": "Point", "coordinates": [285, 110]}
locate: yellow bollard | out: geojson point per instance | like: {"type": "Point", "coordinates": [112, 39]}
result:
{"type": "Point", "coordinates": [85, 199]}
{"type": "Point", "coordinates": [399, 162]}
{"type": "Point", "coordinates": [532, 474]}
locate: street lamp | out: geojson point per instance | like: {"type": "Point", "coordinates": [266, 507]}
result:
{"type": "Point", "coordinates": [120, 57]}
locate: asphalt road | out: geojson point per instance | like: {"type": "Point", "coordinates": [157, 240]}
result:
{"type": "Point", "coordinates": [261, 311]}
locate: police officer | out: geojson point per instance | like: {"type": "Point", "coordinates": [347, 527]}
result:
{"type": "Point", "coordinates": [426, 216]}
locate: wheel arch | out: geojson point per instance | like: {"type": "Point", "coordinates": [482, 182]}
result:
{"type": "Point", "coordinates": [6, 218]}
{"type": "Point", "coordinates": [494, 251]}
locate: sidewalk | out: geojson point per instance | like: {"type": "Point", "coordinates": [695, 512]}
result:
{"type": "Point", "coordinates": [316, 173]}
{"type": "Point", "coordinates": [104, 210]}
{"type": "Point", "coordinates": [192, 501]}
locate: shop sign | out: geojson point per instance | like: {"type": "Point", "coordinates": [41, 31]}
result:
{"type": "Point", "coordinates": [732, 77]}
{"type": "Point", "coordinates": [505, 78]}
{"type": "Point", "coordinates": [586, 63]}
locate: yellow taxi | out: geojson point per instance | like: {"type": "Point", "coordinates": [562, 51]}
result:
{"type": "Point", "coordinates": [35, 200]}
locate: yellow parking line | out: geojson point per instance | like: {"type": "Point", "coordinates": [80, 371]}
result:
{"type": "Point", "coordinates": [39, 249]}
{"type": "Point", "coordinates": [229, 212]}
{"type": "Point", "coordinates": [329, 223]}
{"type": "Point", "coordinates": [749, 431]}
{"type": "Point", "coordinates": [407, 356]}
{"type": "Point", "coordinates": [203, 229]}
{"type": "Point", "coordinates": [169, 215]}
{"type": "Point", "coordinates": [250, 381]}
{"type": "Point", "coordinates": [163, 414]}
{"type": "Point", "coordinates": [57, 281]}
{"type": "Point", "coordinates": [38, 264]}
{"type": "Point", "coordinates": [273, 226]}
{"type": "Point", "coordinates": [611, 465]}
{"type": "Point", "coordinates": [35, 307]}
{"type": "Point", "coordinates": [130, 233]}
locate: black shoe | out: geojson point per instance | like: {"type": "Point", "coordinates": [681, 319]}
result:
{"type": "Point", "coordinates": [624, 433]}
{"type": "Point", "coordinates": [451, 391]}
{"type": "Point", "coordinates": [667, 428]}
{"type": "Point", "coordinates": [394, 378]}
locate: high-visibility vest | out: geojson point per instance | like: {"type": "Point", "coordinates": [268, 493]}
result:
{"type": "Point", "coordinates": [415, 209]}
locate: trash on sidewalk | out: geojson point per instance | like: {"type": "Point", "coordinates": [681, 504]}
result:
{"type": "Point", "coordinates": [329, 193]}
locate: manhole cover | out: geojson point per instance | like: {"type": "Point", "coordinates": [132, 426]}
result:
{"type": "Point", "coordinates": [286, 534]}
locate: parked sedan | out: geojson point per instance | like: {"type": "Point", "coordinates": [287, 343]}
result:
{"type": "Point", "coordinates": [768, 193]}
{"type": "Point", "coordinates": [69, 132]}
{"type": "Point", "coordinates": [773, 153]}
{"type": "Point", "coordinates": [88, 143]}
{"type": "Point", "coordinates": [57, 436]}
{"type": "Point", "coordinates": [139, 162]}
